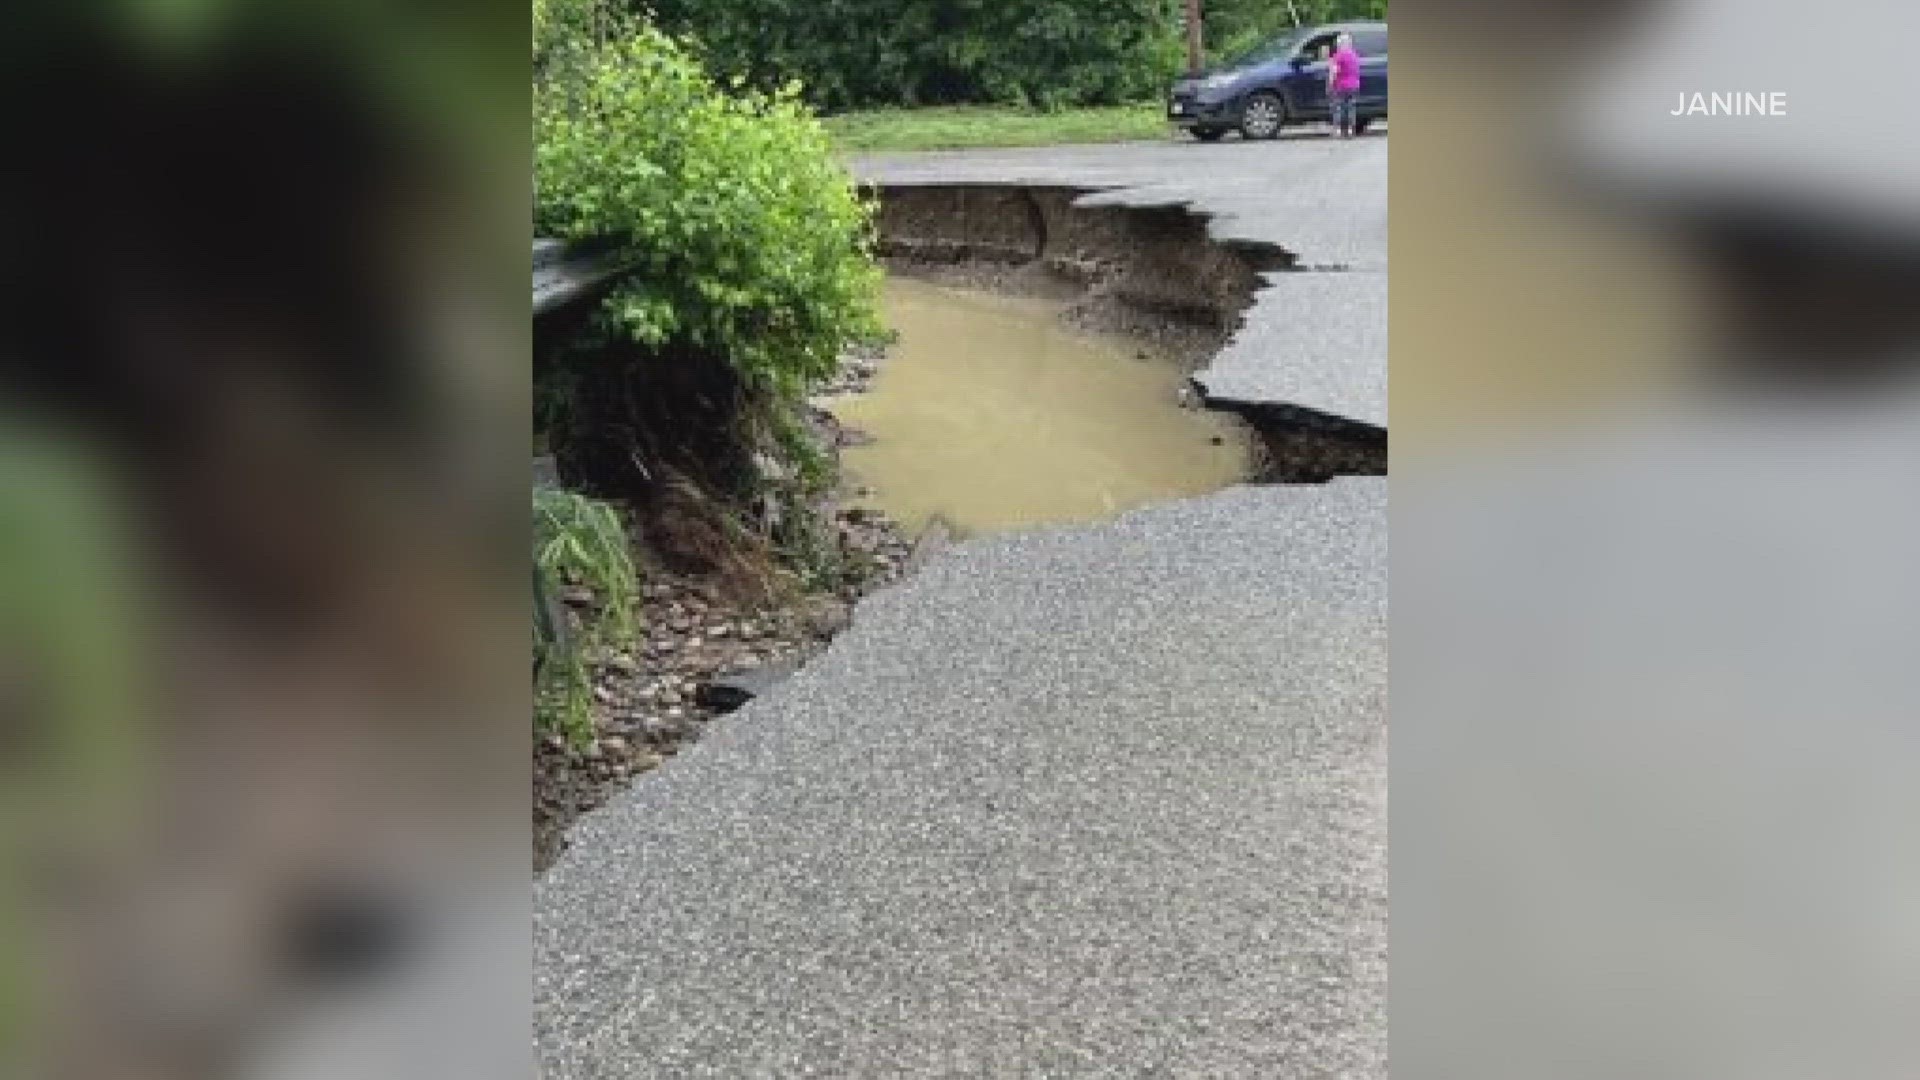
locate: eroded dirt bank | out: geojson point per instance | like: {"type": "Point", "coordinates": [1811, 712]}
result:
{"type": "Point", "coordinates": [1143, 269]}
{"type": "Point", "coordinates": [1152, 272]}
{"type": "Point", "coordinates": [698, 632]}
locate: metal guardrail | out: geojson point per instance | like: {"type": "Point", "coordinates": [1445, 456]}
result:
{"type": "Point", "coordinates": [565, 273]}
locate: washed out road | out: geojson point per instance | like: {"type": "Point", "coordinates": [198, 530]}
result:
{"type": "Point", "coordinates": [1106, 800]}
{"type": "Point", "coordinates": [1316, 337]}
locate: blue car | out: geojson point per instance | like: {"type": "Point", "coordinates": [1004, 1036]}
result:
{"type": "Point", "coordinates": [1283, 81]}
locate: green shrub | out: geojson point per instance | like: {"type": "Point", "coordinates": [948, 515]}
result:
{"type": "Point", "coordinates": [740, 234]}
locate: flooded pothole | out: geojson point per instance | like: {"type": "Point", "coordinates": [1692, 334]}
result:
{"type": "Point", "coordinates": [991, 413]}
{"type": "Point", "coordinates": [1151, 272]}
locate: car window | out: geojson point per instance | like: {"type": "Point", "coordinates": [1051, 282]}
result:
{"type": "Point", "coordinates": [1370, 42]}
{"type": "Point", "coordinates": [1319, 48]}
{"type": "Point", "coordinates": [1275, 49]}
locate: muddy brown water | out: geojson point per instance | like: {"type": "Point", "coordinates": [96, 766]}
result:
{"type": "Point", "coordinates": [993, 414]}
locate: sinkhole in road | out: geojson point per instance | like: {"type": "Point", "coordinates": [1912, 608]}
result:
{"type": "Point", "coordinates": [991, 412]}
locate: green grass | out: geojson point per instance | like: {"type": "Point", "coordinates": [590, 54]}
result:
{"type": "Point", "coordinates": [956, 126]}
{"type": "Point", "coordinates": [578, 541]}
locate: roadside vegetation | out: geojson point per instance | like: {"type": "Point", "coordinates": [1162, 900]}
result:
{"type": "Point", "coordinates": [675, 410]}
{"type": "Point", "coordinates": [580, 547]}
{"type": "Point", "coordinates": [943, 127]}
{"type": "Point", "coordinates": [859, 54]}
{"type": "Point", "coordinates": [1235, 26]}
{"type": "Point", "coordinates": [952, 74]}
{"type": "Point", "coordinates": [741, 238]}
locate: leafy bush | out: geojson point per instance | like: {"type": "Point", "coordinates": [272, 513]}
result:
{"type": "Point", "coordinates": [740, 234]}
{"type": "Point", "coordinates": [580, 542]}
{"type": "Point", "coordinates": [864, 53]}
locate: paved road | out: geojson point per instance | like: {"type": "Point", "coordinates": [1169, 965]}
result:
{"type": "Point", "coordinates": [1095, 801]}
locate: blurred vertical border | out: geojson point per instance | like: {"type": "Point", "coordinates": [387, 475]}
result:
{"type": "Point", "coordinates": [262, 538]}
{"type": "Point", "coordinates": [1654, 770]}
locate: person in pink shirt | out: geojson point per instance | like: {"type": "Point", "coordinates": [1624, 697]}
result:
{"type": "Point", "coordinates": [1343, 85]}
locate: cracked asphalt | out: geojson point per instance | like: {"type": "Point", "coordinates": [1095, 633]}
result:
{"type": "Point", "coordinates": [1105, 800]}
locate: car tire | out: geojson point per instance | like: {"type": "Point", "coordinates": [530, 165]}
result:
{"type": "Point", "coordinates": [1263, 116]}
{"type": "Point", "coordinates": [1209, 134]}
{"type": "Point", "coordinates": [1360, 125]}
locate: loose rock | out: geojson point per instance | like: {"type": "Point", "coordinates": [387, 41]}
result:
{"type": "Point", "coordinates": [703, 654]}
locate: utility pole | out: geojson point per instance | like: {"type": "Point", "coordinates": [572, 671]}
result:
{"type": "Point", "coordinates": [1196, 54]}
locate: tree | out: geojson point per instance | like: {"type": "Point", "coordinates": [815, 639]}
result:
{"type": "Point", "coordinates": [1196, 40]}
{"type": "Point", "coordinates": [861, 53]}
{"type": "Point", "coordinates": [1234, 26]}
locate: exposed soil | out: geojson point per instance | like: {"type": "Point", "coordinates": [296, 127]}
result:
{"type": "Point", "coordinates": [1301, 446]}
{"type": "Point", "coordinates": [689, 452]}
{"type": "Point", "coordinates": [647, 704]}
{"type": "Point", "coordinates": [1153, 273]}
